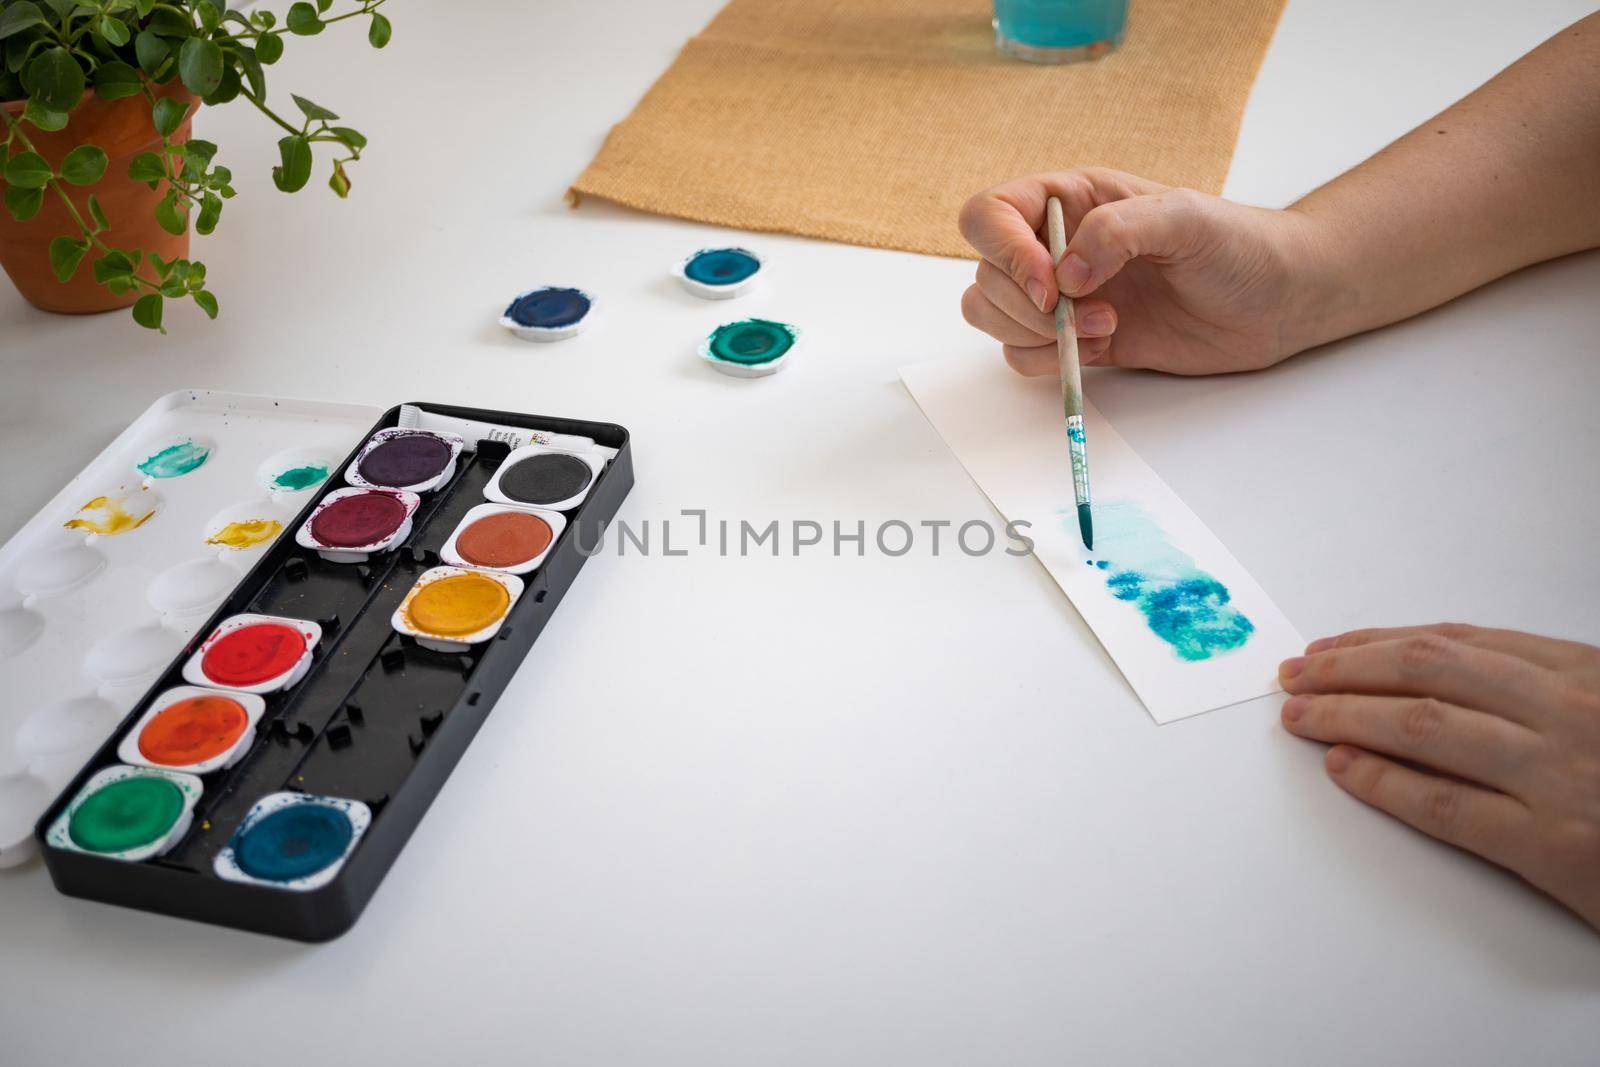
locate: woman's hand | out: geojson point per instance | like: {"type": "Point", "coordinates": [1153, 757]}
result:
{"type": "Point", "coordinates": [1486, 739]}
{"type": "Point", "coordinates": [1181, 281]}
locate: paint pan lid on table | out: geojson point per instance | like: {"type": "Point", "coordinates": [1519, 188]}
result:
{"type": "Point", "coordinates": [548, 313]}
{"type": "Point", "coordinates": [192, 729]}
{"type": "Point", "coordinates": [451, 609]}
{"type": "Point", "coordinates": [503, 537]}
{"type": "Point", "coordinates": [294, 841]}
{"type": "Point", "coordinates": [127, 813]}
{"type": "Point", "coordinates": [254, 653]}
{"type": "Point", "coordinates": [750, 348]}
{"type": "Point", "coordinates": [543, 477]}
{"type": "Point", "coordinates": [348, 525]}
{"type": "Point", "coordinates": [719, 273]}
{"type": "Point", "coordinates": [417, 461]}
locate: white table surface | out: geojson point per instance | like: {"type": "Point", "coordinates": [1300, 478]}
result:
{"type": "Point", "coordinates": [853, 811]}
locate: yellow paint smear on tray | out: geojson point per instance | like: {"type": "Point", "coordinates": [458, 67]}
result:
{"type": "Point", "coordinates": [246, 533]}
{"type": "Point", "coordinates": [112, 515]}
{"type": "Point", "coordinates": [459, 605]}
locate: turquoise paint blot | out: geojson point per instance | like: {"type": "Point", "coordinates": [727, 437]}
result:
{"type": "Point", "coordinates": [300, 477]}
{"type": "Point", "coordinates": [175, 460]}
{"type": "Point", "coordinates": [1182, 604]}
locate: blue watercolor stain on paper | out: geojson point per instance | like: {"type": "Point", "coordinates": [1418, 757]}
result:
{"type": "Point", "coordinates": [175, 460]}
{"type": "Point", "coordinates": [1182, 604]}
{"type": "Point", "coordinates": [1075, 434]}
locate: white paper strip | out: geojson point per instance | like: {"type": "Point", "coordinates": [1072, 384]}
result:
{"type": "Point", "coordinates": [1187, 626]}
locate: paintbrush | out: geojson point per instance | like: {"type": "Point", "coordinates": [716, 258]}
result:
{"type": "Point", "coordinates": [1071, 377]}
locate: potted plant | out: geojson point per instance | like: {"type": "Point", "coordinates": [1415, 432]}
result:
{"type": "Point", "coordinates": [100, 175]}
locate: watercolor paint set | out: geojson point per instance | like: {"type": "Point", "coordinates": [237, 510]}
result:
{"type": "Point", "coordinates": [108, 582]}
{"type": "Point", "coordinates": [272, 772]}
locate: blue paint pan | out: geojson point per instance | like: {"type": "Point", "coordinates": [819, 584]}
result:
{"type": "Point", "coordinates": [548, 313]}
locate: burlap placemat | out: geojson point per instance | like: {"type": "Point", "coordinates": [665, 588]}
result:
{"type": "Point", "coordinates": [870, 121]}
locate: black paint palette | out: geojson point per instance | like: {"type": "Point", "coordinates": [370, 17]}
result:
{"type": "Point", "coordinates": [287, 820]}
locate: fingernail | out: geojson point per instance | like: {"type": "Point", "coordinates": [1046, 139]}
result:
{"type": "Point", "coordinates": [1072, 273]}
{"type": "Point", "coordinates": [1295, 707]}
{"type": "Point", "coordinates": [1321, 644]}
{"type": "Point", "coordinates": [1339, 759]}
{"type": "Point", "coordinates": [1291, 667]}
{"type": "Point", "coordinates": [1038, 293]}
{"type": "Point", "coordinates": [1099, 323]}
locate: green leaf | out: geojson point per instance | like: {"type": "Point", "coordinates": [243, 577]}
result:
{"type": "Point", "coordinates": [340, 182]}
{"type": "Point", "coordinates": [28, 170]}
{"type": "Point", "coordinates": [62, 8]}
{"type": "Point", "coordinates": [269, 48]}
{"type": "Point", "coordinates": [146, 167]}
{"type": "Point", "coordinates": [168, 22]}
{"type": "Point", "coordinates": [207, 302]}
{"type": "Point", "coordinates": [43, 117]}
{"type": "Point", "coordinates": [84, 165]}
{"type": "Point", "coordinates": [168, 115]}
{"type": "Point", "coordinates": [295, 171]}
{"type": "Point", "coordinates": [98, 213]}
{"type": "Point", "coordinates": [204, 151]}
{"type": "Point", "coordinates": [144, 7]}
{"type": "Point", "coordinates": [23, 203]}
{"type": "Point", "coordinates": [265, 19]}
{"type": "Point", "coordinates": [115, 80]}
{"type": "Point", "coordinates": [114, 264]}
{"type": "Point", "coordinates": [378, 33]}
{"type": "Point", "coordinates": [19, 16]}
{"type": "Point", "coordinates": [55, 79]}
{"type": "Point", "coordinates": [114, 30]}
{"type": "Point", "coordinates": [163, 266]}
{"type": "Point", "coordinates": [170, 216]}
{"type": "Point", "coordinates": [151, 51]}
{"type": "Point", "coordinates": [303, 20]}
{"type": "Point", "coordinates": [312, 111]}
{"type": "Point", "coordinates": [147, 312]}
{"type": "Point", "coordinates": [210, 211]}
{"type": "Point", "coordinates": [354, 138]}
{"type": "Point", "coordinates": [227, 90]}
{"type": "Point", "coordinates": [250, 66]}
{"type": "Point", "coordinates": [210, 16]}
{"type": "Point", "coordinates": [65, 255]}
{"type": "Point", "coordinates": [323, 5]}
{"type": "Point", "coordinates": [200, 65]}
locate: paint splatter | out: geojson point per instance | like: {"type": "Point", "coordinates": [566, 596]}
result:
{"type": "Point", "coordinates": [175, 460]}
{"type": "Point", "coordinates": [1182, 604]}
{"type": "Point", "coordinates": [117, 514]}
{"type": "Point", "coordinates": [246, 533]}
{"type": "Point", "coordinates": [298, 478]}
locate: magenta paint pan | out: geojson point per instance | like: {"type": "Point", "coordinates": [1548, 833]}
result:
{"type": "Point", "coordinates": [350, 525]}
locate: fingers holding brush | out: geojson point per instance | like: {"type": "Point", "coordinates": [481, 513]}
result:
{"type": "Point", "coordinates": [996, 306]}
{"type": "Point", "coordinates": [1040, 360]}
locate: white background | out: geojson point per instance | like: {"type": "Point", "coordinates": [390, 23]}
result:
{"type": "Point", "coordinates": [853, 811]}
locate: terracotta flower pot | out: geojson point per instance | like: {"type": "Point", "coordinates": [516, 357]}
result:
{"type": "Point", "coordinates": [123, 128]}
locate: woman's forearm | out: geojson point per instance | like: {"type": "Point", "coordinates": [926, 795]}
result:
{"type": "Point", "coordinates": [1507, 177]}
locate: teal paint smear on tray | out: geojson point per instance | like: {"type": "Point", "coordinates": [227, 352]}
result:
{"type": "Point", "coordinates": [174, 461]}
{"type": "Point", "coordinates": [1182, 604]}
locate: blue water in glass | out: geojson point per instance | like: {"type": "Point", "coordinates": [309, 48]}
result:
{"type": "Point", "coordinates": [1059, 23]}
